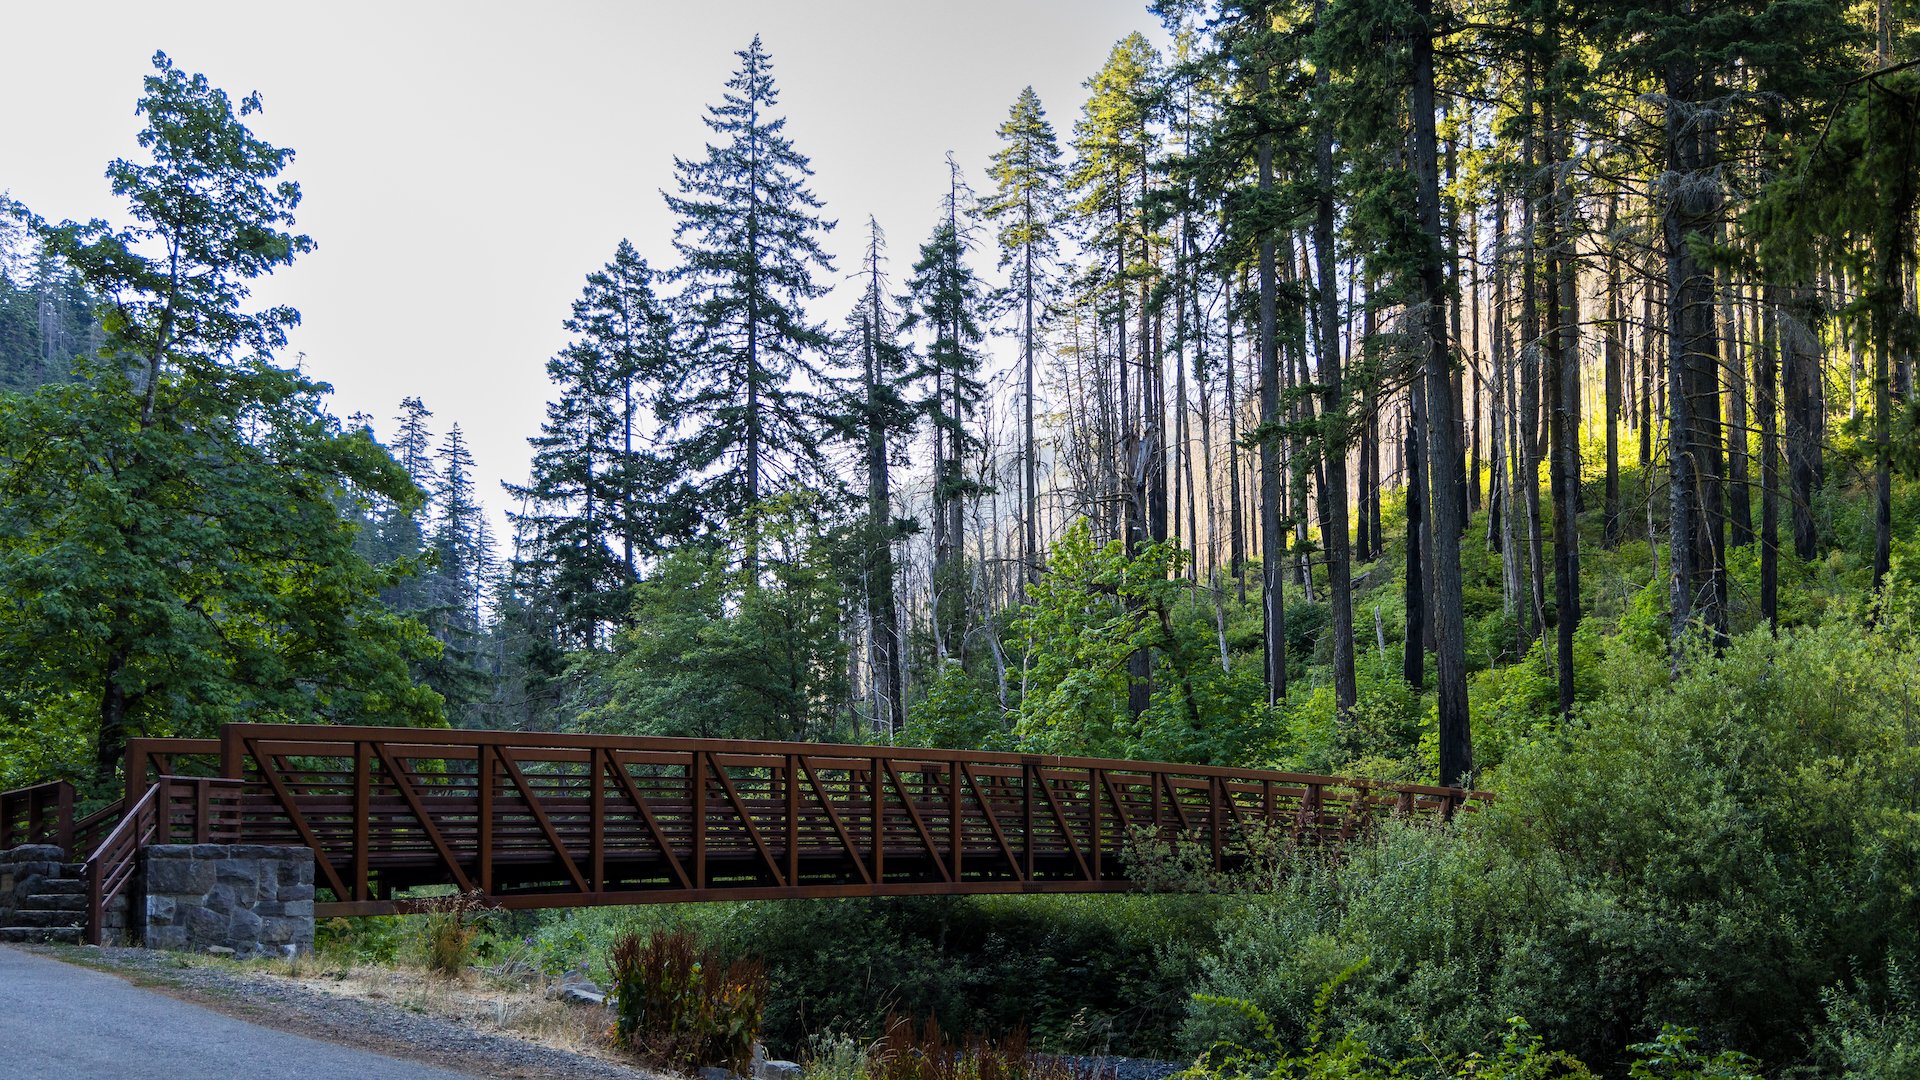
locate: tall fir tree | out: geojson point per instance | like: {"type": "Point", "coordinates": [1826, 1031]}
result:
{"type": "Point", "coordinates": [455, 590]}
{"type": "Point", "coordinates": [749, 236]}
{"type": "Point", "coordinates": [598, 499]}
{"type": "Point", "coordinates": [1026, 207]}
{"type": "Point", "coordinates": [947, 302]}
{"type": "Point", "coordinates": [881, 417]}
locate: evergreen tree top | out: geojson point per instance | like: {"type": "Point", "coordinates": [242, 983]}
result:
{"type": "Point", "coordinates": [1027, 174]}
{"type": "Point", "coordinates": [746, 213]}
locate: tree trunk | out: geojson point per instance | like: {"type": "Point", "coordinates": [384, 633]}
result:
{"type": "Point", "coordinates": [1610, 529]}
{"type": "Point", "coordinates": [1695, 523]}
{"type": "Point", "coordinates": [1563, 361]}
{"type": "Point", "coordinates": [1333, 419]}
{"type": "Point", "coordinates": [1413, 663]}
{"type": "Point", "coordinates": [1272, 536]}
{"type": "Point", "coordinates": [1456, 737]}
{"type": "Point", "coordinates": [1766, 406]}
{"type": "Point", "coordinates": [1803, 389]}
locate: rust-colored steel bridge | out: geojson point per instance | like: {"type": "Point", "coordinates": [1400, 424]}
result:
{"type": "Point", "coordinates": [541, 820]}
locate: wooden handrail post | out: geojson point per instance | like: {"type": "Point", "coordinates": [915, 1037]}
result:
{"type": "Point", "coordinates": [202, 813]}
{"type": "Point", "coordinates": [597, 816]}
{"type": "Point", "coordinates": [63, 808]}
{"type": "Point", "coordinates": [485, 779]}
{"type": "Point", "coordinates": [878, 807]}
{"type": "Point", "coordinates": [94, 907]}
{"type": "Point", "coordinates": [1028, 768]}
{"type": "Point", "coordinates": [362, 813]}
{"type": "Point", "coordinates": [956, 828]}
{"type": "Point", "coordinates": [697, 798]}
{"type": "Point", "coordinates": [1096, 841]}
{"type": "Point", "coordinates": [793, 818]}
{"type": "Point", "coordinates": [1215, 825]}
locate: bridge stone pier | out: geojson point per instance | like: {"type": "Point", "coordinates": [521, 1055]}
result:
{"type": "Point", "coordinates": [254, 899]}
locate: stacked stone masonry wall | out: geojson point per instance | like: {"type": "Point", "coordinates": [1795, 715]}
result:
{"type": "Point", "coordinates": [255, 900]}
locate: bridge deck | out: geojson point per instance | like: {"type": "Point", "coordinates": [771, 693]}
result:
{"type": "Point", "coordinates": [536, 820]}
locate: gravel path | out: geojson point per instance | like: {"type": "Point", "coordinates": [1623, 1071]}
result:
{"type": "Point", "coordinates": [262, 1001]}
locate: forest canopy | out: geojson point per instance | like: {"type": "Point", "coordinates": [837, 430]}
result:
{"type": "Point", "coordinates": [1491, 394]}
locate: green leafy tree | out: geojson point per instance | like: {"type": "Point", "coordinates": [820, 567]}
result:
{"type": "Point", "coordinates": [717, 650]}
{"type": "Point", "coordinates": [1094, 609]}
{"type": "Point", "coordinates": [173, 555]}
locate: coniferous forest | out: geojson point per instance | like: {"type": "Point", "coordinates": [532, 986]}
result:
{"type": "Point", "coordinates": [1498, 394]}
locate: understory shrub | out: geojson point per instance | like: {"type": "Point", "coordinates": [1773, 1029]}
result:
{"type": "Point", "coordinates": [680, 1007]}
{"type": "Point", "coordinates": [449, 932]}
{"type": "Point", "coordinates": [1083, 974]}
{"type": "Point", "coordinates": [1520, 1054]}
{"type": "Point", "coordinates": [1727, 849]}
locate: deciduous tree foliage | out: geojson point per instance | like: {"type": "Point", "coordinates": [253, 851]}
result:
{"type": "Point", "coordinates": [173, 555]}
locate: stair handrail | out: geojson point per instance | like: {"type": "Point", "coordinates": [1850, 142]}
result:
{"type": "Point", "coordinates": [151, 819]}
{"type": "Point", "coordinates": [90, 829]}
{"type": "Point", "coordinates": [24, 816]}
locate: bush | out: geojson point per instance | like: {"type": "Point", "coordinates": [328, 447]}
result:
{"type": "Point", "coordinates": [680, 1007]}
{"type": "Point", "coordinates": [1722, 849]}
{"type": "Point", "coordinates": [1521, 1054]}
{"type": "Point", "coordinates": [1083, 974]}
{"type": "Point", "coordinates": [376, 939]}
{"type": "Point", "coordinates": [449, 932]}
{"type": "Point", "coordinates": [1873, 1035]}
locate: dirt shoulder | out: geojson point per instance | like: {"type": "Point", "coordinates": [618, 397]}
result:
{"type": "Point", "coordinates": [502, 1032]}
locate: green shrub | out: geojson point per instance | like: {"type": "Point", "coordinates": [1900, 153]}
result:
{"type": "Point", "coordinates": [1082, 973]}
{"type": "Point", "coordinates": [1873, 1035]}
{"type": "Point", "coordinates": [376, 939]}
{"type": "Point", "coordinates": [1721, 850]}
{"type": "Point", "coordinates": [1520, 1055]}
{"type": "Point", "coordinates": [835, 1057]}
{"type": "Point", "coordinates": [449, 931]}
{"type": "Point", "coordinates": [680, 1007]}
{"type": "Point", "coordinates": [1671, 1056]}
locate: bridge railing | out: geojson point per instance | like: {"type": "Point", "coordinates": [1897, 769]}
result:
{"type": "Point", "coordinates": [170, 810]}
{"type": "Point", "coordinates": [41, 814]}
{"type": "Point", "coordinates": [540, 820]}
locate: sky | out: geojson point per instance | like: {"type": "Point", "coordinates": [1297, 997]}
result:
{"type": "Point", "coordinates": [465, 165]}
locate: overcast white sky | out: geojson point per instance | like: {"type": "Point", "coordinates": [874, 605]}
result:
{"type": "Point", "coordinates": [465, 165]}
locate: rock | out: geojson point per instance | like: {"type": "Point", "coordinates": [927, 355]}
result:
{"type": "Point", "coordinates": [715, 1072]}
{"type": "Point", "coordinates": [776, 1070]}
{"type": "Point", "coordinates": [219, 950]}
{"type": "Point", "coordinates": [580, 990]}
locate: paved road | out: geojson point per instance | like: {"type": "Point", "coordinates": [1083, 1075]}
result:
{"type": "Point", "coordinates": [62, 1021]}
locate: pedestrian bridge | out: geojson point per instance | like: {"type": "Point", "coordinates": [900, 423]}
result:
{"type": "Point", "coordinates": [544, 820]}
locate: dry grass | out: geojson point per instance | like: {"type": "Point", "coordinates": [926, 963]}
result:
{"type": "Point", "coordinates": [518, 1008]}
